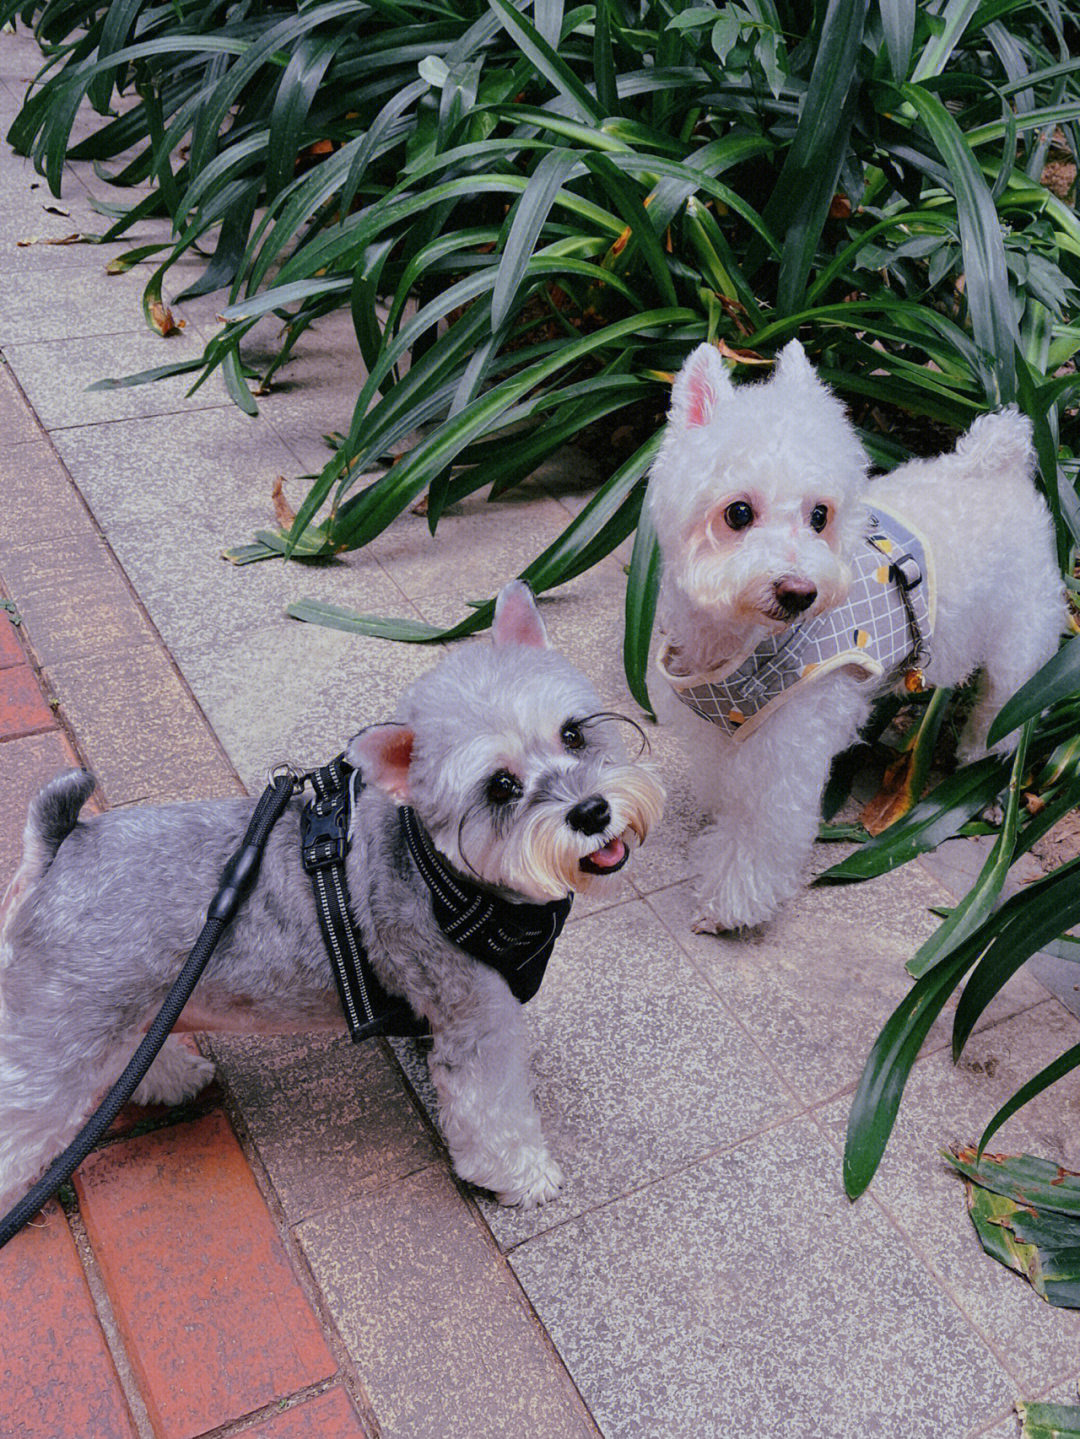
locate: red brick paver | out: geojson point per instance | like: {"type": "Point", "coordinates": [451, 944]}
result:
{"type": "Point", "coordinates": [330, 1416]}
{"type": "Point", "coordinates": [211, 1314]}
{"type": "Point", "coordinates": [57, 1379]}
{"type": "Point", "coordinates": [22, 705]}
{"type": "Point", "coordinates": [11, 650]}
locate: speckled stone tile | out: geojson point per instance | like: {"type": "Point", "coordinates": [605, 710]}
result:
{"type": "Point", "coordinates": [18, 425]}
{"type": "Point", "coordinates": [442, 1339]}
{"type": "Point", "coordinates": [480, 544]}
{"type": "Point", "coordinates": [746, 1296]}
{"type": "Point", "coordinates": [946, 1104]}
{"type": "Point", "coordinates": [1009, 1427]}
{"type": "Point", "coordinates": [55, 375]}
{"type": "Point", "coordinates": [639, 1070]}
{"type": "Point", "coordinates": [816, 984]}
{"type": "Point", "coordinates": [330, 1119]}
{"type": "Point", "coordinates": [297, 695]}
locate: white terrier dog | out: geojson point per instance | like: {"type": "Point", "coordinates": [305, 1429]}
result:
{"type": "Point", "coordinates": [793, 594]}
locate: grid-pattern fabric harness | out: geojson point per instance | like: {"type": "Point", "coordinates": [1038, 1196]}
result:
{"type": "Point", "coordinates": [883, 627]}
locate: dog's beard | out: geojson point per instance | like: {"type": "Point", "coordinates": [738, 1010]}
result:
{"type": "Point", "coordinates": [739, 596]}
{"type": "Point", "coordinates": [539, 856]}
{"type": "Point", "coordinates": [543, 855]}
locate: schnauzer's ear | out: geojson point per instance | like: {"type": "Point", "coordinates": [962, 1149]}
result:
{"type": "Point", "coordinates": [793, 366]}
{"type": "Point", "coordinates": [382, 755]}
{"type": "Point", "coordinates": [517, 620]}
{"type": "Point", "coordinates": [699, 387]}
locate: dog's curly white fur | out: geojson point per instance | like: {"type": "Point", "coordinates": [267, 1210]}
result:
{"type": "Point", "coordinates": [759, 495]}
{"type": "Point", "coordinates": [519, 777]}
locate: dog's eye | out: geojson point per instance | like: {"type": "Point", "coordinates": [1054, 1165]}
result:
{"type": "Point", "coordinates": [571, 736]}
{"type": "Point", "coordinates": [819, 518]}
{"type": "Point", "coordinates": [738, 515]}
{"type": "Point", "coordinates": [503, 787]}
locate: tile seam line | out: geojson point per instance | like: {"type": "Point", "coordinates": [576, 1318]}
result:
{"type": "Point", "coordinates": [684, 1167]}
{"type": "Point", "coordinates": [62, 725]}
{"type": "Point", "coordinates": [929, 1268]}
{"type": "Point", "coordinates": [348, 1373]}
{"type": "Point", "coordinates": [109, 555]}
{"type": "Point", "coordinates": [487, 1237]}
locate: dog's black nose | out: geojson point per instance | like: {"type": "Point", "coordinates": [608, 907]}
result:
{"type": "Point", "coordinates": [794, 594]}
{"type": "Point", "coordinates": [590, 816]}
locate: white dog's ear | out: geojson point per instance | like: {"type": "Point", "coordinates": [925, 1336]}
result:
{"type": "Point", "coordinates": [793, 366]}
{"type": "Point", "coordinates": [382, 754]}
{"type": "Point", "coordinates": [699, 387]}
{"type": "Point", "coordinates": [517, 620]}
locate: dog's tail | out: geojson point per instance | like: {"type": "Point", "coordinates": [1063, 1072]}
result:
{"type": "Point", "coordinates": [1003, 442]}
{"type": "Point", "coordinates": [53, 814]}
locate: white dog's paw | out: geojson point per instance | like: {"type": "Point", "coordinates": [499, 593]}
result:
{"type": "Point", "coordinates": [175, 1075]}
{"type": "Point", "coordinates": [540, 1182]}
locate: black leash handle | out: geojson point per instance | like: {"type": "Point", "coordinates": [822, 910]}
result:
{"type": "Point", "coordinates": [236, 881]}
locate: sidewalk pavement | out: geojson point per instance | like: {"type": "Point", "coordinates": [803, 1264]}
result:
{"type": "Point", "coordinates": [290, 1255]}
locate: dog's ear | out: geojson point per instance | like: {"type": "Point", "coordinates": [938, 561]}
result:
{"type": "Point", "coordinates": [382, 754]}
{"type": "Point", "coordinates": [793, 367]}
{"type": "Point", "coordinates": [699, 387]}
{"type": "Point", "coordinates": [517, 620]}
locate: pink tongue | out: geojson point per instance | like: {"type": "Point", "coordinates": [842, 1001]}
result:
{"type": "Point", "coordinates": [611, 854]}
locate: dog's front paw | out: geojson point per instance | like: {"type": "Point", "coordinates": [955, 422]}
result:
{"type": "Point", "coordinates": [540, 1182]}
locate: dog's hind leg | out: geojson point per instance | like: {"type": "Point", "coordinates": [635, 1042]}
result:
{"type": "Point", "coordinates": [479, 1065]}
{"type": "Point", "coordinates": [175, 1075]}
{"type": "Point", "coordinates": [47, 1092]}
{"type": "Point", "coordinates": [1022, 644]}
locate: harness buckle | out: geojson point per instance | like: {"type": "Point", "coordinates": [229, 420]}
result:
{"type": "Point", "coordinates": [324, 839]}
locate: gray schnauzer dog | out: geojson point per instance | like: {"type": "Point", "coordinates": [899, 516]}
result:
{"type": "Point", "coordinates": [522, 785]}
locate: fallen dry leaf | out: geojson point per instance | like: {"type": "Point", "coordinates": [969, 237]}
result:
{"type": "Point", "coordinates": [283, 511]}
{"type": "Point", "coordinates": [163, 320]}
{"type": "Point", "coordinates": [893, 799]}
{"type": "Point", "coordinates": [50, 240]}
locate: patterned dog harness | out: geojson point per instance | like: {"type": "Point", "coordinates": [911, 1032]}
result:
{"type": "Point", "coordinates": [884, 626]}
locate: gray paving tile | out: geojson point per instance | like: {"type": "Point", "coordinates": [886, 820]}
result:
{"type": "Point", "coordinates": [946, 1104]}
{"type": "Point", "coordinates": [638, 1070]}
{"type": "Point", "coordinates": [329, 1118]}
{"type": "Point", "coordinates": [748, 1297]}
{"type": "Point", "coordinates": [56, 303]}
{"type": "Point", "coordinates": [1009, 1428]}
{"type": "Point", "coordinates": [55, 375]}
{"type": "Point", "coordinates": [297, 694]}
{"type": "Point", "coordinates": [816, 985]}
{"type": "Point", "coordinates": [442, 1340]}
{"type": "Point", "coordinates": [215, 475]}
{"type": "Point", "coordinates": [483, 544]}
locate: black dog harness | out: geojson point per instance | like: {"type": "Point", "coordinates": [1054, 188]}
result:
{"type": "Point", "coordinates": [516, 940]}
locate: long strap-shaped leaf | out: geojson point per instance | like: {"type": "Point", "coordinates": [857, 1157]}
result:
{"type": "Point", "coordinates": [980, 899]}
{"type": "Point", "coordinates": [1038, 914]}
{"type": "Point", "coordinates": [1058, 678]}
{"type": "Point", "coordinates": [985, 271]}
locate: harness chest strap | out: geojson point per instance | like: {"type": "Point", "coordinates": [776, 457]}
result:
{"type": "Point", "coordinates": [883, 628]}
{"type": "Point", "coordinates": [514, 939]}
